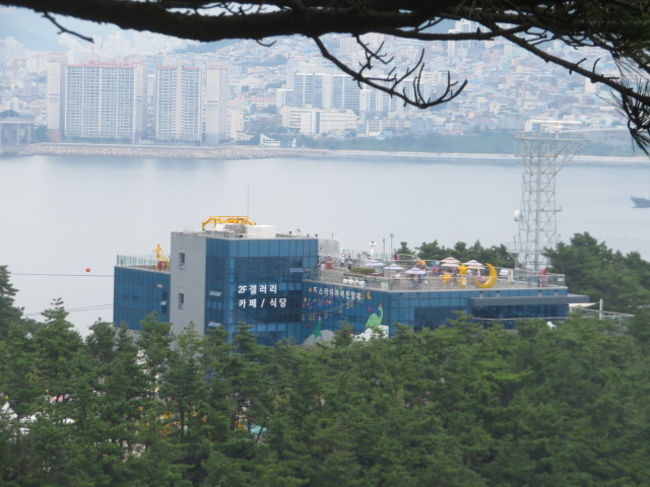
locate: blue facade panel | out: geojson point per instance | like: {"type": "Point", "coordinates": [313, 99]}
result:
{"type": "Point", "coordinates": [329, 306]}
{"type": "Point", "coordinates": [258, 282]}
{"type": "Point", "coordinates": [526, 303]}
{"type": "Point", "coordinates": [138, 293]}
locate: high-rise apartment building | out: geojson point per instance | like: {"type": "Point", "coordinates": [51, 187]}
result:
{"type": "Point", "coordinates": [464, 47]}
{"type": "Point", "coordinates": [104, 101]}
{"type": "Point", "coordinates": [178, 104]}
{"type": "Point", "coordinates": [55, 96]}
{"type": "Point", "coordinates": [216, 108]}
{"type": "Point", "coordinates": [307, 90]}
{"type": "Point", "coordinates": [323, 90]}
{"type": "Point", "coordinates": [379, 102]}
{"type": "Point", "coordinates": [122, 102]}
{"type": "Point", "coordinates": [345, 93]}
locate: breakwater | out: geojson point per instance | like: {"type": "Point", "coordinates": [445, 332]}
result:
{"type": "Point", "coordinates": [167, 151]}
{"type": "Point", "coordinates": [235, 152]}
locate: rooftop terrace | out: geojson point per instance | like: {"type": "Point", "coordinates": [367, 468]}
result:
{"type": "Point", "coordinates": [437, 280]}
{"type": "Point", "coordinates": [397, 278]}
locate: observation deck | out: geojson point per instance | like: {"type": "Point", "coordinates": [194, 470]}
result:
{"type": "Point", "coordinates": [510, 279]}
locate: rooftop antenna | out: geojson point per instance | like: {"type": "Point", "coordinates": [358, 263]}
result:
{"type": "Point", "coordinates": [543, 152]}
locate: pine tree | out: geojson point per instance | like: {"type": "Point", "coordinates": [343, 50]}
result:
{"type": "Point", "coordinates": [9, 314]}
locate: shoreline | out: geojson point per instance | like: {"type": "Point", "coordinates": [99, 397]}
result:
{"type": "Point", "coordinates": [240, 152]}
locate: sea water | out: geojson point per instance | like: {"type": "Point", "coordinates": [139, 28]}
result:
{"type": "Point", "coordinates": [63, 215]}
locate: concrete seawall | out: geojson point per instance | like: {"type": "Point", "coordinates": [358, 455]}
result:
{"type": "Point", "coordinates": [235, 152]}
{"type": "Point", "coordinates": [167, 152]}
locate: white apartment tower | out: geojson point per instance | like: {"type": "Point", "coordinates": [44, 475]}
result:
{"type": "Point", "coordinates": [307, 91]}
{"type": "Point", "coordinates": [323, 90]}
{"type": "Point", "coordinates": [178, 107]}
{"type": "Point", "coordinates": [55, 96]}
{"type": "Point", "coordinates": [462, 48]}
{"type": "Point", "coordinates": [345, 92]}
{"type": "Point", "coordinates": [377, 102]}
{"type": "Point", "coordinates": [104, 101]}
{"type": "Point", "coordinates": [216, 104]}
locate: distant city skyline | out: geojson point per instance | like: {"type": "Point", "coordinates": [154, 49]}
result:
{"type": "Point", "coordinates": [290, 88]}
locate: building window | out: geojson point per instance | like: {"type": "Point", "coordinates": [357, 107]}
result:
{"type": "Point", "coordinates": [181, 260]}
{"type": "Point", "coordinates": [181, 300]}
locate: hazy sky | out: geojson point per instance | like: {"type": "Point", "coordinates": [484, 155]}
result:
{"type": "Point", "coordinates": [39, 34]}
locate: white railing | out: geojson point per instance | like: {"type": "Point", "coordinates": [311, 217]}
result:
{"type": "Point", "coordinates": [507, 279]}
{"type": "Point", "coordinates": [142, 261]}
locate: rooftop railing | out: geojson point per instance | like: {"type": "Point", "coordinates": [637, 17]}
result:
{"type": "Point", "coordinates": [506, 279]}
{"type": "Point", "coordinates": [142, 261]}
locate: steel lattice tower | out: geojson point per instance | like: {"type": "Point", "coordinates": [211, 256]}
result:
{"type": "Point", "coordinates": [542, 155]}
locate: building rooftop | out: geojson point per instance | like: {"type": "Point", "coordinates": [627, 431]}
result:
{"type": "Point", "coordinates": [160, 263]}
{"type": "Point", "coordinates": [436, 280]}
{"type": "Point", "coordinates": [236, 231]}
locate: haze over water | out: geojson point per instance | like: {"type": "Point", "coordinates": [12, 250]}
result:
{"type": "Point", "coordinates": [61, 215]}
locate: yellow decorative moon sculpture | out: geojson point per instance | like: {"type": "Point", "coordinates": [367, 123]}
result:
{"type": "Point", "coordinates": [491, 280]}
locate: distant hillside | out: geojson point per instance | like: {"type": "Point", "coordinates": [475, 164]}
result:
{"type": "Point", "coordinates": [483, 142]}
{"type": "Point", "coordinates": [207, 46]}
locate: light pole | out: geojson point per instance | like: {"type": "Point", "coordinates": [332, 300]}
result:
{"type": "Point", "coordinates": [383, 250]}
{"type": "Point", "coordinates": [391, 245]}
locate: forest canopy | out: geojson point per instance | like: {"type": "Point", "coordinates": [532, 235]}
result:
{"type": "Point", "coordinates": [618, 31]}
{"type": "Point", "coordinates": [456, 406]}
{"type": "Point", "coordinates": [461, 405]}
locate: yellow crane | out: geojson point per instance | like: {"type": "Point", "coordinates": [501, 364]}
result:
{"type": "Point", "coordinates": [215, 220]}
{"type": "Point", "coordinates": [162, 261]}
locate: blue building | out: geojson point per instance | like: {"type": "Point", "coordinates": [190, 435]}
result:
{"type": "Point", "coordinates": [282, 287]}
{"type": "Point", "coordinates": [236, 274]}
{"type": "Point", "coordinates": [141, 288]}
{"type": "Point", "coordinates": [430, 302]}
